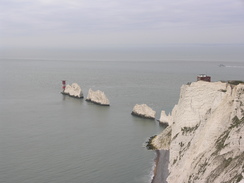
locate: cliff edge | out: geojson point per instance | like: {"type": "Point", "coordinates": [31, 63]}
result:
{"type": "Point", "coordinates": [205, 135]}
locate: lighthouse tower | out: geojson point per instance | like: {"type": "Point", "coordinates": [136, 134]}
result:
{"type": "Point", "coordinates": [64, 84]}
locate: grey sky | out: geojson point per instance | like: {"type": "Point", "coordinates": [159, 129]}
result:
{"type": "Point", "coordinates": [80, 23]}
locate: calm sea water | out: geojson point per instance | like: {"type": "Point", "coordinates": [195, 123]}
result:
{"type": "Point", "coordinates": [46, 137]}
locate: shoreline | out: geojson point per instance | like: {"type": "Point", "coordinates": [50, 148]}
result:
{"type": "Point", "coordinates": [160, 170]}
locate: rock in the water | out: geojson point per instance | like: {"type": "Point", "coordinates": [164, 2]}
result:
{"type": "Point", "coordinates": [97, 97]}
{"type": "Point", "coordinates": [73, 90]}
{"type": "Point", "coordinates": [143, 111]}
{"type": "Point", "coordinates": [165, 119]}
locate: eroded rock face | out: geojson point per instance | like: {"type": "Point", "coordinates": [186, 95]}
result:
{"type": "Point", "coordinates": [73, 90]}
{"type": "Point", "coordinates": [161, 141]}
{"type": "Point", "coordinates": [143, 111]}
{"type": "Point", "coordinates": [97, 97]}
{"type": "Point", "coordinates": [207, 134]}
{"type": "Point", "coordinates": [165, 119]}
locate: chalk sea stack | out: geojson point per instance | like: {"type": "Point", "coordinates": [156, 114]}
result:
{"type": "Point", "coordinates": [97, 97]}
{"type": "Point", "coordinates": [73, 90]}
{"type": "Point", "coordinates": [144, 111]}
{"type": "Point", "coordinates": [165, 119]}
{"type": "Point", "coordinates": [205, 137]}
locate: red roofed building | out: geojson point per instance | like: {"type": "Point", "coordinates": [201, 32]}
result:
{"type": "Point", "coordinates": [203, 77]}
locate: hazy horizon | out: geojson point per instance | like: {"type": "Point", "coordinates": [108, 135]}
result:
{"type": "Point", "coordinates": [185, 52]}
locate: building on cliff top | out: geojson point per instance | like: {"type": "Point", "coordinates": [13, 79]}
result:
{"type": "Point", "coordinates": [203, 77]}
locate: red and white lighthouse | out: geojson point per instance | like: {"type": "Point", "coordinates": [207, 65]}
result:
{"type": "Point", "coordinates": [64, 84]}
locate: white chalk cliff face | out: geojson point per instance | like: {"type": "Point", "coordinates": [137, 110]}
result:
{"type": "Point", "coordinates": [143, 111]}
{"type": "Point", "coordinates": [73, 90]}
{"type": "Point", "coordinates": [207, 134]}
{"type": "Point", "coordinates": [97, 97]}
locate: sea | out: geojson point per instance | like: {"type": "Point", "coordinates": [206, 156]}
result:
{"type": "Point", "coordinates": [46, 137]}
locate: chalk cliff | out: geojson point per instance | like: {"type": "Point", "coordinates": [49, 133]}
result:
{"type": "Point", "coordinates": [97, 97]}
{"type": "Point", "coordinates": [73, 90]}
{"type": "Point", "coordinates": [205, 135]}
{"type": "Point", "coordinates": [143, 111]}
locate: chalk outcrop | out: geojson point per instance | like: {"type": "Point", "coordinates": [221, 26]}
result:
{"type": "Point", "coordinates": [161, 141]}
{"type": "Point", "coordinates": [97, 97]}
{"type": "Point", "coordinates": [165, 119]}
{"type": "Point", "coordinates": [73, 90]}
{"type": "Point", "coordinates": [143, 111]}
{"type": "Point", "coordinates": [206, 134]}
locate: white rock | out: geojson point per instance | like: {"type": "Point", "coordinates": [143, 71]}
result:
{"type": "Point", "coordinates": [97, 97]}
{"type": "Point", "coordinates": [167, 119]}
{"type": "Point", "coordinates": [143, 111]}
{"type": "Point", "coordinates": [207, 138]}
{"type": "Point", "coordinates": [73, 90]}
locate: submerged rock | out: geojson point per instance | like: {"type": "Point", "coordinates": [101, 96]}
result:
{"type": "Point", "coordinates": [143, 111]}
{"type": "Point", "coordinates": [73, 90]}
{"type": "Point", "coordinates": [97, 97]}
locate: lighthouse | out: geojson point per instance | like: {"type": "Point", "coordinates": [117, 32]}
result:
{"type": "Point", "coordinates": [64, 84]}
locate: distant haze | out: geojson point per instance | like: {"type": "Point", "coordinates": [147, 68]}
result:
{"type": "Point", "coordinates": [159, 28]}
{"type": "Point", "coordinates": [221, 53]}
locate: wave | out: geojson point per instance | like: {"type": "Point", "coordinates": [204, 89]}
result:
{"type": "Point", "coordinates": [153, 170]}
{"type": "Point", "coordinates": [235, 66]}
